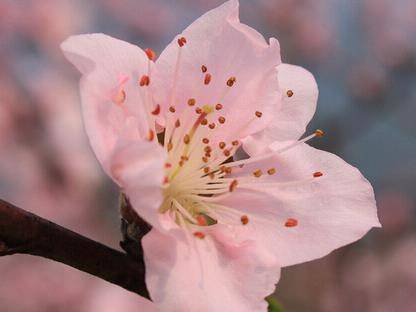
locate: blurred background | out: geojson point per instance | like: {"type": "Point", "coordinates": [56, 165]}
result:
{"type": "Point", "coordinates": [363, 55]}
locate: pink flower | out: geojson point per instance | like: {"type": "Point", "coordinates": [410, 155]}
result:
{"type": "Point", "coordinates": [222, 228]}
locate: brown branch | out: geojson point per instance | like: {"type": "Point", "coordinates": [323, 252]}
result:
{"type": "Point", "coordinates": [25, 233]}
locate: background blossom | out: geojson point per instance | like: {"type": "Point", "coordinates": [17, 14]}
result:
{"type": "Point", "coordinates": [366, 75]}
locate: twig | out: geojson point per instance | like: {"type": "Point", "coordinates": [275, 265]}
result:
{"type": "Point", "coordinates": [25, 233]}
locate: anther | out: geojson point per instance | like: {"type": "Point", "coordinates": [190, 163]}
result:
{"type": "Point", "coordinates": [206, 169]}
{"type": "Point", "coordinates": [186, 139]}
{"type": "Point", "coordinates": [204, 68]}
{"type": "Point", "coordinates": [235, 143]}
{"type": "Point", "coordinates": [207, 79]}
{"type": "Point", "coordinates": [184, 158]}
{"type": "Point", "coordinates": [233, 185]}
{"type": "Point", "coordinates": [172, 109]}
{"type": "Point", "coordinates": [271, 171]}
{"type": "Point", "coordinates": [317, 174]}
{"type": "Point", "coordinates": [201, 220]}
{"type": "Point", "coordinates": [257, 173]}
{"type": "Point", "coordinates": [198, 110]}
{"type": "Point", "coordinates": [168, 165]}
{"type": "Point", "coordinates": [227, 153]}
{"type": "Point", "coordinates": [151, 135]}
{"type": "Point", "coordinates": [319, 133]}
{"type": "Point", "coordinates": [205, 159]}
{"type": "Point", "coordinates": [207, 149]}
{"type": "Point", "coordinates": [170, 146]}
{"type": "Point", "coordinates": [177, 123]}
{"type": "Point", "coordinates": [221, 119]}
{"type": "Point", "coordinates": [205, 140]}
{"type": "Point", "coordinates": [150, 54]}
{"type": "Point", "coordinates": [120, 97]}
{"type": "Point", "coordinates": [191, 102]}
{"type": "Point", "coordinates": [221, 145]}
{"type": "Point", "coordinates": [211, 125]}
{"type": "Point", "coordinates": [231, 81]}
{"type": "Point", "coordinates": [218, 106]}
{"type": "Point", "coordinates": [165, 180]}
{"type": "Point", "coordinates": [200, 235]}
{"type": "Point", "coordinates": [144, 81]}
{"type": "Point", "coordinates": [181, 41]}
{"type": "Point", "coordinates": [244, 219]}
{"type": "Point", "coordinates": [204, 122]}
{"type": "Point", "coordinates": [258, 114]}
{"type": "Point", "coordinates": [291, 222]}
{"type": "Point", "coordinates": [181, 163]}
{"type": "Point", "coordinates": [289, 93]}
{"type": "Point", "coordinates": [156, 111]}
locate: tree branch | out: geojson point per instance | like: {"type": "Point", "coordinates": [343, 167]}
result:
{"type": "Point", "coordinates": [25, 233]}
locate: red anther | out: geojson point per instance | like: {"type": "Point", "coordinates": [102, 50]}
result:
{"type": "Point", "coordinates": [181, 41]}
{"type": "Point", "coordinates": [317, 174]}
{"type": "Point", "coordinates": [205, 159]}
{"type": "Point", "coordinates": [184, 158]}
{"type": "Point", "coordinates": [200, 235]}
{"type": "Point", "coordinates": [186, 139]}
{"type": "Point", "coordinates": [172, 109]}
{"type": "Point", "coordinates": [235, 143]}
{"type": "Point", "coordinates": [231, 81]}
{"type": "Point", "coordinates": [208, 154]}
{"type": "Point", "coordinates": [168, 165]}
{"type": "Point", "coordinates": [289, 93]}
{"type": "Point", "coordinates": [150, 54]}
{"type": "Point", "coordinates": [233, 185]}
{"type": "Point", "coordinates": [181, 163]}
{"type": "Point", "coordinates": [156, 111]}
{"type": "Point", "coordinates": [257, 173]}
{"type": "Point", "coordinates": [221, 119]}
{"type": "Point", "coordinates": [228, 170]}
{"type": "Point", "coordinates": [218, 106]}
{"type": "Point", "coordinates": [244, 219]}
{"type": "Point", "coordinates": [207, 149]}
{"type": "Point", "coordinates": [207, 79]}
{"type": "Point", "coordinates": [227, 153]}
{"type": "Point", "coordinates": [201, 220]}
{"type": "Point", "coordinates": [211, 125]}
{"type": "Point", "coordinates": [204, 122]}
{"type": "Point", "coordinates": [258, 114]}
{"type": "Point", "coordinates": [319, 133]}
{"type": "Point", "coordinates": [198, 110]}
{"type": "Point", "coordinates": [165, 180]}
{"type": "Point", "coordinates": [144, 81]}
{"type": "Point", "coordinates": [151, 135]}
{"type": "Point", "coordinates": [191, 102]}
{"type": "Point", "coordinates": [271, 171]}
{"type": "Point", "coordinates": [204, 68]}
{"type": "Point", "coordinates": [221, 145]}
{"type": "Point", "coordinates": [291, 222]}
{"type": "Point", "coordinates": [177, 123]}
{"type": "Point", "coordinates": [205, 140]}
{"type": "Point", "coordinates": [206, 169]}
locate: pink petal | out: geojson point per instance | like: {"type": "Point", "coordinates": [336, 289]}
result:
{"type": "Point", "coordinates": [192, 274]}
{"type": "Point", "coordinates": [227, 49]}
{"type": "Point", "coordinates": [109, 67]}
{"type": "Point", "coordinates": [137, 166]}
{"type": "Point", "coordinates": [297, 216]}
{"type": "Point", "coordinates": [299, 96]}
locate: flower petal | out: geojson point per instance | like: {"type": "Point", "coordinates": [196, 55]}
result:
{"type": "Point", "coordinates": [192, 274]}
{"type": "Point", "coordinates": [219, 49]}
{"type": "Point", "coordinates": [112, 101]}
{"type": "Point", "coordinates": [301, 217]}
{"type": "Point", "coordinates": [299, 98]}
{"type": "Point", "coordinates": [137, 166]}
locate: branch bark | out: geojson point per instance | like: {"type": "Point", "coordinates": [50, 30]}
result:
{"type": "Point", "coordinates": [25, 233]}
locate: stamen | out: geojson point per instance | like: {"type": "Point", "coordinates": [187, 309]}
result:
{"type": "Point", "coordinates": [204, 122]}
{"type": "Point", "coordinates": [258, 114]}
{"type": "Point", "coordinates": [186, 139]}
{"type": "Point", "coordinates": [207, 79]}
{"type": "Point", "coordinates": [257, 173]}
{"type": "Point", "coordinates": [204, 68]}
{"type": "Point", "coordinates": [233, 185]}
{"type": "Point", "coordinates": [201, 220]}
{"type": "Point", "coordinates": [291, 222]}
{"type": "Point", "coordinates": [119, 97]}
{"type": "Point", "coordinates": [235, 143]}
{"type": "Point", "coordinates": [289, 93]}
{"type": "Point", "coordinates": [191, 102]}
{"type": "Point", "coordinates": [317, 174]}
{"type": "Point", "coordinates": [172, 109]}
{"type": "Point", "coordinates": [319, 133]}
{"type": "Point", "coordinates": [151, 135]}
{"type": "Point", "coordinates": [198, 110]}
{"type": "Point", "coordinates": [181, 41]}
{"type": "Point", "coordinates": [218, 106]}
{"type": "Point", "coordinates": [156, 111]}
{"type": "Point", "coordinates": [227, 153]}
{"type": "Point", "coordinates": [168, 165]}
{"type": "Point", "coordinates": [177, 123]}
{"type": "Point", "coordinates": [211, 125]}
{"type": "Point", "coordinates": [231, 81]}
{"type": "Point", "coordinates": [205, 140]}
{"type": "Point", "coordinates": [221, 145]}
{"type": "Point", "coordinates": [144, 81]}
{"type": "Point", "coordinates": [150, 54]}
{"type": "Point", "coordinates": [271, 171]}
{"type": "Point", "coordinates": [221, 119]}
{"type": "Point", "coordinates": [244, 220]}
{"type": "Point", "coordinates": [200, 235]}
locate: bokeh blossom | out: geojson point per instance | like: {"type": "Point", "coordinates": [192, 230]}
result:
{"type": "Point", "coordinates": [168, 130]}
